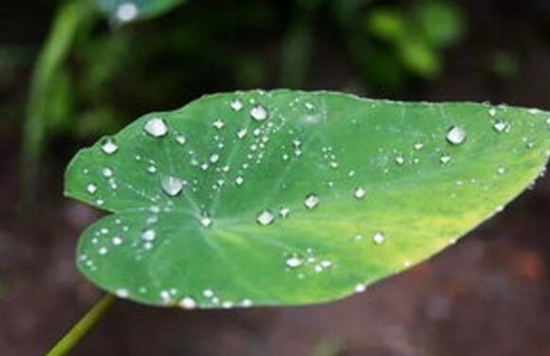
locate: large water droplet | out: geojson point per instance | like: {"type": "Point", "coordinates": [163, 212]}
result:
{"type": "Point", "coordinates": [265, 218]}
{"type": "Point", "coordinates": [259, 113]}
{"type": "Point", "coordinates": [156, 127]}
{"type": "Point", "coordinates": [456, 135]}
{"type": "Point", "coordinates": [109, 146]}
{"type": "Point", "coordinates": [311, 201]}
{"type": "Point", "coordinates": [172, 186]}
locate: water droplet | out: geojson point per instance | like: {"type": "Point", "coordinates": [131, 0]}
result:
{"type": "Point", "coordinates": [492, 112]}
{"type": "Point", "coordinates": [187, 303]}
{"type": "Point", "coordinates": [501, 170]}
{"type": "Point", "coordinates": [181, 140]}
{"type": "Point", "coordinates": [126, 12]}
{"type": "Point", "coordinates": [246, 303]}
{"type": "Point", "coordinates": [156, 127]}
{"type": "Point", "coordinates": [219, 124]}
{"type": "Point", "coordinates": [444, 159]}
{"type": "Point", "coordinates": [214, 158]}
{"type": "Point", "coordinates": [172, 186]}
{"type": "Point", "coordinates": [379, 238]}
{"type": "Point", "coordinates": [109, 146]}
{"type": "Point", "coordinates": [359, 288]}
{"type": "Point", "coordinates": [148, 235]}
{"type": "Point", "coordinates": [239, 180]}
{"type": "Point", "coordinates": [500, 126]}
{"type": "Point", "coordinates": [456, 135]}
{"type": "Point", "coordinates": [418, 146]}
{"type": "Point", "coordinates": [284, 212]}
{"type": "Point", "coordinates": [91, 188]}
{"type": "Point", "coordinates": [400, 160]}
{"type": "Point", "coordinates": [259, 113]}
{"type": "Point", "coordinates": [265, 218]}
{"type": "Point", "coordinates": [311, 201]}
{"type": "Point", "coordinates": [208, 293]}
{"type": "Point", "coordinates": [122, 293]}
{"type": "Point", "coordinates": [205, 221]}
{"type": "Point", "coordinates": [241, 133]}
{"type": "Point", "coordinates": [103, 251]}
{"type": "Point", "coordinates": [107, 172]}
{"type": "Point", "coordinates": [294, 262]}
{"type": "Point", "coordinates": [236, 105]}
{"type": "Point", "coordinates": [116, 240]}
{"type": "Point", "coordinates": [359, 193]}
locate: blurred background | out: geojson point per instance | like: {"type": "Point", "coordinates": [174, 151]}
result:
{"type": "Point", "coordinates": [69, 74]}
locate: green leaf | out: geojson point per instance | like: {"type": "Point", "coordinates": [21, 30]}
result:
{"type": "Point", "coordinates": [289, 197]}
{"type": "Point", "coordinates": [130, 10]}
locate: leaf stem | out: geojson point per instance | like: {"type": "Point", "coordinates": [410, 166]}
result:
{"type": "Point", "coordinates": [81, 328]}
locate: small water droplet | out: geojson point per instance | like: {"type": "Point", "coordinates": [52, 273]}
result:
{"type": "Point", "coordinates": [91, 188]}
{"type": "Point", "coordinates": [259, 113]}
{"type": "Point", "coordinates": [492, 112]}
{"type": "Point", "coordinates": [359, 288]}
{"type": "Point", "coordinates": [219, 124]}
{"type": "Point", "coordinates": [214, 158]}
{"type": "Point", "coordinates": [187, 303]}
{"type": "Point", "coordinates": [116, 240]}
{"type": "Point", "coordinates": [400, 160]}
{"type": "Point", "coordinates": [418, 146]}
{"type": "Point", "coordinates": [379, 238]}
{"type": "Point", "coordinates": [445, 158]}
{"type": "Point", "coordinates": [107, 172]}
{"type": "Point", "coordinates": [359, 193]}
{"type": "Point", "coordinates": [311, 201]}
{"type": "Point", "coordinates": [501, 170]}
{"type": "Point", "coordinates": [181, 140]}
{"type": "Point", "coordinates": [109, 146]}
{"type": "Point", "coordinates": [242, 133]}
{"type": "Point", "coordinates": [265, 217]}
{"type": "Point", "coordinates": [456, 135]}
{"type": "Point", "coordinates": [205, 220]}
{"type": "Point", "coordinates": [122, 293]}
{"type": "Point", "coordinates": [156, 127]}
{"type": "Point", "coordinates": [284, 212]}
{"type": "Point", "coordinates": [236, 105]}
{"type": "Point", "coordinates": [239, 180]}
{"type": "Point", "coordinates": [500, 126]}
{"type": "Point", "coordinates": [208, 293]}
{"type": "Point", "coordinates": [294, 262]}
{"type": "Point", "coordinates": [148, 235]}
{"type": "Point", "coordinates": [172, 186]}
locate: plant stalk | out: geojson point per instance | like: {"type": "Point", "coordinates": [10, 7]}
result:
{"type": "Point", "coordinates": [70, 17]}
{"type": "Point", "coordinates": [78, 331]}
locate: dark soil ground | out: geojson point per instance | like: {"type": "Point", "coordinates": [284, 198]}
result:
{"type": "Point", "coordinates": [489, 295]}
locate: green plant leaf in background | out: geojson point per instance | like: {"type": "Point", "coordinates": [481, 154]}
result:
{"type": "Point", "coordinates": [129, 10]}
{"type": "Point", "coordinates": [289, 197]}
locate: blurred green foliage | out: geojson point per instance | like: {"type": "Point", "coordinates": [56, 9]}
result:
{"type": "Point", "coordinates": [415, 36]}
{"type": "Point", "coordinates": [114, 71]}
